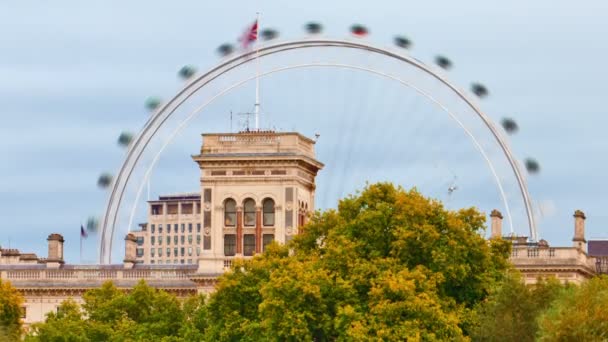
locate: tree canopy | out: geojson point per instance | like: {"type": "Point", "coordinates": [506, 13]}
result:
{"type": "Point", "coordinates": [11, 302]}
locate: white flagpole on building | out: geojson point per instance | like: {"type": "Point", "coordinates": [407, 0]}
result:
{"type": "Point", "coordinates": [257, 75]}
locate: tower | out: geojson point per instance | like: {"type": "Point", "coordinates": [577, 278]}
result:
{"type": "Point", "coordinates": [256, 187]}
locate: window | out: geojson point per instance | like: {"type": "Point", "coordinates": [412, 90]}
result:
{"type": "Point", "coordinates": [266, 240]}
{"type": "Point", "coordinates": [160, 252]}
{"type": "Point", "coordinates": [230, 212]}
{"type": "Point", "coordinates": [249, 244]}
{"type": "Point", "coordinates": [533, 253]}
{"type": "Point", "coordinates": [181, 261]}
{"type": "Point", "coordinates": [152, 262]}
{"type": "Point", "coordinates": [198, 227]}
{"type": "Point", "coordinates": [189, 227]}
{"type": "Point", "coordinates": [160, 229]}
{"type": "Point", "coordinates": [183, 227]}
{"type": "Point", "coordinates": [229, 244]}
{"type": "Point", "coordinates": [198, 239]}
{"type": "Point", "coordinates": [198, 251]}
{"type": "Point", "coordinates": [152, 240]}
{"type": "Point", "coordinates": [160, 240]}
{"type": "Point", "coordinates": [152, 228]}
{"type": "Point", "coordinates": [175, 228]}
{"type": "Point", "coordinates": [168, 240]}
{"type": "Point", "coordinates": [189, 261]}
{"type": "Point", "coordinates": [268, 209]}
{"type": "Point", "coordinates": [175, 239]}
{"type": "Point", "coordinates": [189, 238]}
{"type": "Point", "coordinates": [168, 251]}
{"type": "Point", "coordinates": [152, 252]}
{"type": "Point", "coordinates": [189, 251]}
{"type": "Point", "coordinates": [157, 209]}
{"type": "Point", "coordinates": [140, 252]}
{"type": "Point", "coordinates": [183, 239]}
{"type": "Point", "coordinates": [175, 251]}
{"type": "Point", "coordinates": [140, 240]}
{"type": "Point", "coordinates": [249, 209]}
{"type": "Point", "coordinates": [182, 251]}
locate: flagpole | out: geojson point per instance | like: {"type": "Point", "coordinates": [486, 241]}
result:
{"type": "Point", "coordinates": [81, 225]}
{"type": "Point", "coordinates": [257, 75]}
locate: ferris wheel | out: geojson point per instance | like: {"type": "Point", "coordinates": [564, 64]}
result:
{"type": "Point", "coordinates": [389, 66]}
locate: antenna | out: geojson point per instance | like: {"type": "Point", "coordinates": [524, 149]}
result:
{"type": "Point", "coordinates": [247, 115]}
{"type": "Point", "coordinates": [257, 76]}
{"type": "Point", "coordinates": [230, 121]}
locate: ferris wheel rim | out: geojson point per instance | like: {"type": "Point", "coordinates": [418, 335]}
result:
{"type": "Point", "coordinates": [197, 83]}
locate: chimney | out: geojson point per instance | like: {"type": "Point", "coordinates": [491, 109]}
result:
{"type": "Point", "coordinates": [496, 224]}
{"type": "Point", "coordinates": [55, 256]}
{"type": "Point", "coordinates": [130, 249]}
{"type": "Point", "coordinates": [579, 230]}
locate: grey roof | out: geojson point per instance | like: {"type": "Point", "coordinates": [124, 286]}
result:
{"type": "Point", "coordinates": [597, 248]}
{"type": "Point", "coordinates": [265, 154]}
{"type": "Point", "coordinates": [94, 283]}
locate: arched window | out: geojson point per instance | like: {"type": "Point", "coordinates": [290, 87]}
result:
{"type": "Point", "coordinates": [268, 212]}
{"type": "Point", "coordinates": [230, 212]}
{"type": "Point", "coordinates": [249, 210]}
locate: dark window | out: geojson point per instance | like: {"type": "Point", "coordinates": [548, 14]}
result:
{"type": "Point", "coordinates": [157, 209]}
{"type": "Point", "coordinates": [140, 240]}
{"type": "Point", "coordinates": [229, 244]}
{"type": "Point", "coordinates": [249, 209]}
{"type": "Point", "coordinates": [182, 251]}
{"type": "Point", "coordinates": [189, 251]}
{"type": "Point", "coordinates": [175, 252]}
{"type": "Point", "coordinates": [189, 238]}
{"type": "Point", "coordinates": [160, 229]}
{"type": "Point", "coordinates": [198, 227]}
{"type": "Point", "coordinates": [266, 240]}
{"type": "Point", "coordinates": [152, 240]}
{"type": "Point", "coordinates": [175, 240]}
{"type": "Point", "coordinates": [198, 239]}
{"type": "Point", "coordinates": [140, 252]}
{"type": "Point", "coordinates": [152, 228]}
{"type": "Point", "coordinates": [230, 212]}
{"type": "Point", "coordinates": [175, 228]}
{"type": "Point", "coordinates": [207, 242]}
{"type": "Point", "coordinates": [249, 244]}
{"type": "Point", "coordinates": [168, 252]}
{"type": "Point", "coordinates": [152, 262]}
{"type": "Point", "coordinates": [198, 251]}
{"type": "Point", "coordinates": [183, 227]}
{"type": "Point", "coordinates": [268, 212]}
{"type": "Point", "coordinates": [183, 239]}
{"type": "Point", "coordinates": [181, 261]}
{"type": "Point", "coordinates": [152, 252]}
{"type": "Point", "coordinates": [160, 240]}
{"type": "Point", "coordinates": [168, 240]}
{"type": "Point", "coordinates": [189, 227]}
{"type": "Point", "coordinates": [160, 252]}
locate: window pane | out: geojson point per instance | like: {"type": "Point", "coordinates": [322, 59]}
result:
{"type": "Point", "coordinates": [249, 244]}
{"type": "Point", "coordinates": [249, 210]}
{"type": "Point", "coordinates": [250, 219]}
{"type": "Point", "coordinates": [266, 240]}
{"type": "Point", "coordinates": [230, 212]}
{"type": "Point", "coordinates": [229, 244]}
{"type": "Point", "coordinates": [189, 227]}
{"type": "Point", "coordinates": [198, 227]}
{"type": "Point", "coordinates": [160, 228]}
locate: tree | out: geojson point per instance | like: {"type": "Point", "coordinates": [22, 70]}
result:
{"type": "Point", "coordinates": [579, 314]}
{"type": "Point", "coordinates": [387, 263]}
{"type": "Point", "coordinates": [11, 302]}
{"type": "Point", "coordinates": [511, 312]}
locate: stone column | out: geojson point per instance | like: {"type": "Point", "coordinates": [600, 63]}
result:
{"type": "Point", "coordinates": [496, 224]}
{"type": "Point", "coordinates": [130, 251]}
{"type": "Point", "coordinates": [239, 231]}
{"type": "Point", "coordinates": [579, 230]}
{"type": "Point", "coordinates": [258, 230]}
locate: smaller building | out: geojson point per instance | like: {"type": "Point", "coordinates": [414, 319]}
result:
{"type": "Point", "coordinates": [599, 250]}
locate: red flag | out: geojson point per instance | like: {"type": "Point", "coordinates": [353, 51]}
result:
{"type": "Point", "coordinates": [250, 35]}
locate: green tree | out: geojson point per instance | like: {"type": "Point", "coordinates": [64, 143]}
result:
{"type": "Point", "coordinates": [387, 263]}
{"type": "Point", "coordinates": [511, 312]}
{"type": "Point", "coordinates": [65, 325]}
{"type": "Point", "coordinates": [579, 314]}
{"type": "Point", "coordinates": [11, 302]}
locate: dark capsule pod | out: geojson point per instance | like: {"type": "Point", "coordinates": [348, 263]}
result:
{"type": "Point", "coordinates": [186, 71]}
{"type": "Point", "coordinates": [532, 166]}
{"type": "Point", "coordinates": [509, 125]}
{"type": "Point", "coordinates": [314, 28]}
{"type": "Point", "coordinates": [443, 62]}
{"type": "Point", "coordinates": [92, 224]}
{"type": "Point", "coordinates": [479, 90]}
{"type": "Point", "coordinates": [124, 139]}
{"type": "Point", "coordinates": [152, 103]}
{"type": "Point", "coordinates": [104, 180]}
{"type": "Point", "coordinates": [359, 30]}
{"type": "Point", "coordinates": [225, 49]}
{"type": "Point", "coordinates": [403, 42]}
{"type": "Point", "coordinates": [269, 34]}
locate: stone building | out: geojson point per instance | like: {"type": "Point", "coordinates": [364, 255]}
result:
{"type": "Point", "coordinates": [255, 187]}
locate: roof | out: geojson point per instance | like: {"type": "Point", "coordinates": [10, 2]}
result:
{"type": "Point", "coordinates": [597, 248]}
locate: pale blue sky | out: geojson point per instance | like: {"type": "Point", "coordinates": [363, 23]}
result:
{"type": "Point", "coordinates": [75, 74]}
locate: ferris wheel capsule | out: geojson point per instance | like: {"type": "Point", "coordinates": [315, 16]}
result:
{"type": "Point", "coordinates": [443, 62]}
{"type": "Point", "coordinates": [152, 103]}
{"type": "Point", "coordinates": [359, 30]}
{"type": "Point", "coordinates": [314, 28]}
{"type": "Point", "coordinates": [509, 125]}
{"type": "Point", "coordinates": [124, 139]}
{"type": "Point", "coordinates": [225, 49]}
{"type": "Point", "coordinates": [532, 166]}
{"type": "Point", "coordinates": [186, 71]}
{"type": "Point", "coordinates": [92, 224]}
{"type": "Point", "coordinates": [269, 34]}
{"type": "Point", "coordinates": [479, 90]}
{"type": "Point", "coordinates": [403, 42]}
{"type": "Point", "coordinates": [104, 180]}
